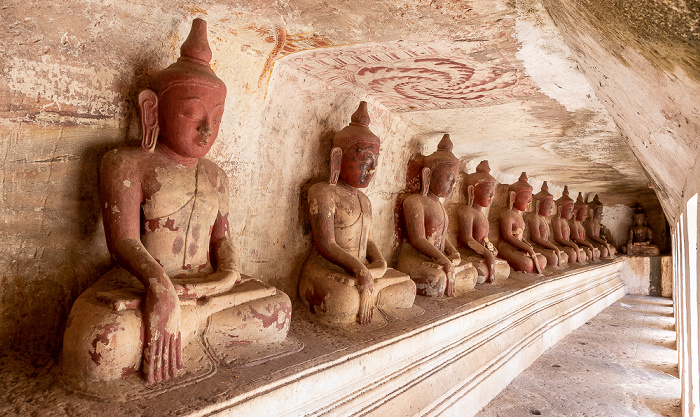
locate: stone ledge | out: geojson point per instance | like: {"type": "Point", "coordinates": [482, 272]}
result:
{"type": "Point", "coordinates": [451, 358]}
{"type": "Point", "coordinates": [452, 366]}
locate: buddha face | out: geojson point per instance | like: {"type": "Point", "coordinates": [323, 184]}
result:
{"type": "Point", "coordinates": [359, 164]}
{"type": "Point", "coordinates": [442, 179]}
{"type": "Point", "coordinates": [567, 211]}
{"type": "Point", "coordinates": [598, 213]}
{"type": "Point", "coordinates": [581, 214]}
{"type": "Point", "coordinates": [189, 116]}
{"type": "Point", "coordinates": [639, 219]}
{"type": "Point", "coordinates": [522, 199]}
{"type": "Point", "coordinates": [546, 206]}
{"type": "Point", "coordinates": [483, 193]}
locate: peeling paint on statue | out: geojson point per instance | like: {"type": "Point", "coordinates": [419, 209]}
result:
{"type": "Point", "coordinates": [178, 193]}
{"type": "Point", "coordinates": [520, 255]}
{"type": "Point", "coordinates": [427, 255]}
{"type": "Point", "coordinates": [345, 273]}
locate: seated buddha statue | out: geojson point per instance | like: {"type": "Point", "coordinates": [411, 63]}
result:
{"type": "Point", "coordinates": [427, 254]}
{"type": "Point", "coordinates": [165, 209]}
{"type": "Point", "coordinates": [562, 232]}
{"type": "Point", "coordinates": [521, 256]}
{"type": "Point", "coordinates": [538, 228]}
{"type": "Point", "coordinates": [578, 232]}
{"type": "Point", "coordinates": [593, 229]}
{"type": "Point", "coordinates": [346, 276]}
{"type": "Point", "coordinates": [640, 237]}
{"type": "Point", "coordinates": [474, 227]}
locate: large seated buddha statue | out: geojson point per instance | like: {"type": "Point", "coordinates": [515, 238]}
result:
{"type": "Point", "coordinates": [640, 237]}
{"type": "Point", "coordinates": [426, 254]}
{"type": "Point", "coordinates": [578, 232]}
{"type": "Point", "coordinates": [521, 256]}
{"type": "Point", "coordinates": [166, 217]}
{"type": "Point", "coordinates": [593, 229]}
{"type": "Point", "coordinates": [475, 246]}
{"type": "Point", "coordinates": [538, 228]}
{"type": "Point", "coordinates": [346, 276]}
{"type": "Point", "coordinates": [562, 232]}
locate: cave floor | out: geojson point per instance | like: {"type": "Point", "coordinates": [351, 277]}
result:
{"type": "Point", "coordinates": [623, 362]}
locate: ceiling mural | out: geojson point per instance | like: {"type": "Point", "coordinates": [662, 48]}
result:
{"type": "Point", "coordinates": [411, 77]}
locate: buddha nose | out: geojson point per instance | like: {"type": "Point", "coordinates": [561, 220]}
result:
{"type": "Point", "coordinates": [205, 130]}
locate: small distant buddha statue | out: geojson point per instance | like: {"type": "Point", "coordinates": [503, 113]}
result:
{"type": "Point", "coordinates": [166, 218]}
{"type": "Point", "coordinates": [345, 277]}
{"type": "Point", "coordinates": [538, 228]}
{"type": "Point", "coordinates": [520, 255]}
{"type": "Point", "coordinates": [593, 229]}
{"type": "Point", "coordinates": [578, 232]}
{"type": "Point", "coordinates": [641, 235]}
{"type": "Point", "coordinates": [562, 231]}
{"type": "Point", "coordinates": [474, 227]}
{"type": "Point", "coordinates": [427, 254]}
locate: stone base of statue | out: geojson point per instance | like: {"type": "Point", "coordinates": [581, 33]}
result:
{"type": "Point", "coordinates": [104, 337]}
{"type": "Point", "coordinates": [502, 268]}
{"type": "Point", "coordinates": [642, 249]}
{"type": "Point", "coordinates": [429, 276]}
{"type": "Point", "coordinates": [333, 295]}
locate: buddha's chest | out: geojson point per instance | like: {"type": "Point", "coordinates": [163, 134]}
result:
{"type": "Point", "coordinates": [543, 227]}
{"type": "Point", "coordinates": [480, 227]}
{"type": "Point", "coordinates": [173, 189]}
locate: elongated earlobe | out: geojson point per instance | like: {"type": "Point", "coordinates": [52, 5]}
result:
{"type": "Point", "coordinates": [425, 181]}
{"type": "Point", "coordinates": [148, 103]}
{"type": "Point", "coordinates": [511, 199]}
{"type": "Point", "coordinates": [470, 195]}
{"type": "Point", "coordinates": [336, 161]}
{"type": "Point", "coordinates": [537, 207]}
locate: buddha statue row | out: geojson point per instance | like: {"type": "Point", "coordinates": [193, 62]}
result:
{"type": "Point", "coordinates": [166, 217]}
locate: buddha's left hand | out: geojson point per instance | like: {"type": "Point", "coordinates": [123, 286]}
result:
{"type": "Point", "coordinates": [206, 286]}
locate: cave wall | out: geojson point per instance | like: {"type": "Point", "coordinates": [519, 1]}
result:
{"type": "Point", "coordinates": [70, 72]}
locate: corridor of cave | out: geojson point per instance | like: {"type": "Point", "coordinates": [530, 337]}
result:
{"type": "Point", "coordinates": [600, 96]}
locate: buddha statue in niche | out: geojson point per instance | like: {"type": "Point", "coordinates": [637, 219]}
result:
{"type": "Point", "coordinates": [640, 237]}
{"type": "Point", "coordinates": [578, 232]}
{"type": "Point", "coordinates": [427, 254]}
{"type": "Point", "coordinates": [593, 228]}
{"type": "Point", "coordinates": [345, 277]}
{"type": "Point", "coordinates": [562, 231]}
{"type": "Point", "coordinates": [539, 232]}
{"type": "Point", "coordinates": [165, 209]}
{"type": "Point", "coordinates": [520, 255]}
{"type": "Point", "coordinates": [474, 227]}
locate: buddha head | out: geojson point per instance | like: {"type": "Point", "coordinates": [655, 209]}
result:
{"type": "Point", "coordinates": [183, 109]}
{"type": "Point", "coordinates": [480, 186]}
{"type": "Point", "coordinates": [640, 218]}
{"type": "Point", "coordinates": [595, 208]}
{"type": "Point", "coordinates": [355, 151]}
{"type": "Point", "coordinates": [440, 169]}
{"type": "Point", "coordinates": [520, 193]}
{"type": "Point", "coordinates": [544, 201]}
{"type": "Point", "coordinates": [565, 205]}
{"type": "Point", "coordinates": [581, 208]}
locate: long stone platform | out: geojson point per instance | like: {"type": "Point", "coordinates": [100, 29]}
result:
{"type": "Point", "coordinates": [444, 357]}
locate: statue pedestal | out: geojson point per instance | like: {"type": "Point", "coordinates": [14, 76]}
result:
{"type": "Point", "coordinates": [453, 358]}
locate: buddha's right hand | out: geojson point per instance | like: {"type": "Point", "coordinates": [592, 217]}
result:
{"type": "Point", "coordinates": [366, 286]}
{"type": "Point", "coordinates": [450, 273]}
{"type": "Point", "coordinates": [162, 355]}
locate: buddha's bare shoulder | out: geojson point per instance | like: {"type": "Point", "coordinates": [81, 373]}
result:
{"type": "Point", "coordinates": [127, 160]}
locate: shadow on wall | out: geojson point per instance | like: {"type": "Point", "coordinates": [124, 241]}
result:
{"type": "Point", "coordinates": [49, 261]}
